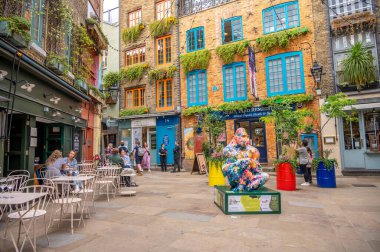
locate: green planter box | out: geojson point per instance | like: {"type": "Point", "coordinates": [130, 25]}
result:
{"type": "Point", "coordinates": [14, 38]}
{"type": "Point", "coordinates": [261, 201]}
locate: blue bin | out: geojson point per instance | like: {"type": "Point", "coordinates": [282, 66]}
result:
{"type": "Point", "coordinates": [326, 177]}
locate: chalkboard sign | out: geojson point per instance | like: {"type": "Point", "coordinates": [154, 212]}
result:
{"type": "Point", "coordinates": [200, 164]}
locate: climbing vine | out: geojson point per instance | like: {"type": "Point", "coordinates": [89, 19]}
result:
{"type": "Point", "coordinates": [195, 60]}
{"type": "Point", "coordinates": [111, 79]}
{"type": "Point", "coordinates": [226, 107]}
{"type": "Point", "coordinates": [287, 99]}
{"type": "Point", "coordinates": [18, 25]}
{"type": "Point", "coordinates": [161, 73]}
{"type": "Point", "coordinates": [161, 27]}
{"type": "Point", "coordinates": [280, 39]}
{"type": "Point", "coordinates": [132, 34]}
{"type": "Point", "coordinates": [136, 111]}
{"type": "Point", "coordinates": [228, 51]}
{"type": "Point", "coordinates": [134, 72]}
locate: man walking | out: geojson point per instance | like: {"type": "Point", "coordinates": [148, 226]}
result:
{"type": "Point", "coordinates": [177, 157]}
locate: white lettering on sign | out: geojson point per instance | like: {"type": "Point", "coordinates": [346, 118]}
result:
{"type": "Point", "coordinates": [146, 122]}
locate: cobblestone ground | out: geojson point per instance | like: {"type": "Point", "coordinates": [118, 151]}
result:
{"type": "Point", "coordinates": [175, 212]}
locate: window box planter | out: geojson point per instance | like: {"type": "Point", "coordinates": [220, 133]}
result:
{"type": "Point", "coordinates": [56, 66]}
{"type": "Point", "coordinates": [326, 177]}
{"type": "Point", "coordinates": [354, 88]}
{"type": "Point", "coordinates": [82, 84]}
{"type": "Point", "coordinates": [286, 177]}
{"type": "Point", "coordinates": [14, 38]}
{"type": "Point", "coordinates": [96, 33]}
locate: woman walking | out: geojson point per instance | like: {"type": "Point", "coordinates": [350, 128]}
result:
{"type": "Point", "coordinates": [146, 158]}
{"type": "Point", "coordinates": [303, 160]}
{"type": "Point", "coordinates": [163, 157]}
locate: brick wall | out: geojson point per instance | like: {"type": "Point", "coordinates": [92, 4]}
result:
{"type": "Point", "coordinates": [251, 12]}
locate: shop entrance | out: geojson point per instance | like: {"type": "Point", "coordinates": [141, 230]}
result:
{"type": "Point", "coordinates": [257, 136]}
{"type": "Point", "coordinates": [153, 146]}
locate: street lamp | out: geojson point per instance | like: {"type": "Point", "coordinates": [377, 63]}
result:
{"type": "Point", "coordinates": [316, 71]}
{"type": "Point", "coordinates": [114, 93]}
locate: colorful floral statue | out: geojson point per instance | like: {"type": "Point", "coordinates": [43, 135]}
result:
{"type": "Point", "coordinates": [241, 164]}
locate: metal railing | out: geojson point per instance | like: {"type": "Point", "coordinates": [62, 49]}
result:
{"type": "Point", "coordinates": [347, 7]}
{"type": "Point", "coordinates": [187, 7]}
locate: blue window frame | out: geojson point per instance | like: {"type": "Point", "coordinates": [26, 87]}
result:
{"type": "Point", "coordinates": [281, 17]}
{"type": "Point", "coordinates": [232, 29]}
{"type": "Point", "coordinates": [235, 82]}
{"type": "Point", "coordinates": [197, 88]}
{"type": "Point", "coordinates": [195, 39]}
{"type": "Point", "coordinates": [67, 49]}
{"type": "Point", "coordinates": [284, 74]}
{"type": "Point", "coordinates": [37, 21]}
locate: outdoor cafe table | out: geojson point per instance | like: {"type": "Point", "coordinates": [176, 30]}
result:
{"type": "Point", "coordinates": [17, 199]}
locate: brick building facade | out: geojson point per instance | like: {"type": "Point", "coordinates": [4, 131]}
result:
{"type": "Point", "coordinates": [159, 123]}
{"type": "Point", "coordinates": [251, 20]}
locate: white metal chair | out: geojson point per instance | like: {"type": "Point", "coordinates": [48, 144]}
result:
{"type": "Point", "coordinates": [87, 167]}
{"type": "Point", "coordinates": [19, 172]}
{"type": "Point", "coordinates": [32, 211]}
{"type": "Point", "coordinates": [65, 197]}
{"type": "Point", "coordinates": [87, 191]}
{"type": "Point", "coordinates": [108, 178]}
{"type": "Point", "coordinates": [14, 182]}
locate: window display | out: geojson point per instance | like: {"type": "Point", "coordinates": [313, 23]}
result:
{"type": "Point", "coordinates": [372, 133]}
{"type": "Point", "coordinates": [351, 135]}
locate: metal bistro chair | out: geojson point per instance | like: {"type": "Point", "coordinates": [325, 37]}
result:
{"type": "Point", "coordinates": [87, 167]}
{"type": "Point", "coordinates": [14, 182]}
{"type": "Point", "coordinates": [32, 211]}
{"type": "Point", "coordinates": [19, 172]}
{"type": "Point", "coordinates": [87, 191]}
{"type": "Point", "coordinates": [66, 198]}
{"type": "Point", "coordinates": [108, 177]}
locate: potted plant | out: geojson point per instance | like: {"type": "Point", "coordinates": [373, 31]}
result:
{"type": "Point", "coordinates": [16, 30]}
{"type": "Point", "coordinates": [58, 64]}
{"type": "Point", "coordinates": [359, 68]}
{"type": "Point", "coordinates": [81, 83]}
{"type": "Point", "coordinates": [288, 123]}
{"type": "Point", "coordinates": [333, 107]}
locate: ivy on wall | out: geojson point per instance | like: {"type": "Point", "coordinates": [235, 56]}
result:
{"type": "Point", "coordinates": [195, 60]}
{"type": "Point", "coordinates": [280, 39]}
{"type": "Point", "coordinates": [227, 107]}
{"type": "Point", "coordinates": [18, 25]}
{"type": "Point", "coordinates": [161, 27]}
{"type": "Point", "coordinates": [135, 111]}
{"type": "Point", "coordinates": [161, 73]}
{"type": "Point", "coordinates": [228, 51]}
{"type": "Point", "coordinates": [132, 34]}
{"type": "Point", "coordinates": [287, 99]}
{"type": "Point", "coordinates": [134, 72]}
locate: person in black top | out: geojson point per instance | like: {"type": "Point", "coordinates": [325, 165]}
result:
{"type": "Point", "coordinates": [177, 157]}
{"type": "Point", "coordinates": [163, 157]}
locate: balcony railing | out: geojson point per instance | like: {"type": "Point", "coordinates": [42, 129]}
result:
{"type": "Point", "coordinates": [347, 7]}
{"type": "Point", "coordinates": [187, 7]}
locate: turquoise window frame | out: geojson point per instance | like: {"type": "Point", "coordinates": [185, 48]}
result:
{"type": "Point", "coordinates": [234, 66]}
{"type": "Point", "coordinates": [195, 32]}
{"type": "Point", "coordinates": [241, 27]}
{"type": "Point", "coordinates": [40, 21]}
{"type": "Point", "coordinates": [68, 41]}
{"type": "Point", "coordinates": [273, 8]}
{"type": "Point", "coordinates": [283, 57]}
{"type": "Point", "coordinates": [197, 102]}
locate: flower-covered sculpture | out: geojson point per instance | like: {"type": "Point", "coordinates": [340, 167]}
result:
{"type": "Point", "coordinates": [241, 164]}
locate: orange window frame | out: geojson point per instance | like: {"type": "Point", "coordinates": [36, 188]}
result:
{"type": "Point", "coordinates": [166, 52]}
{"type": "Point", "coordinates": [163, 7]}
{"type": "Point", "coordinates": [140, 99]}
{"type": "Point", "coordinates": [135, 56]}
{"type": "Point", "coordinates": [134, 18]}
{"type": "Point", "coordinates": [166, 95]}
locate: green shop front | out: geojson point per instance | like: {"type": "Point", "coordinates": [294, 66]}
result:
{"type": "Point", "coordinates": [39, 113]}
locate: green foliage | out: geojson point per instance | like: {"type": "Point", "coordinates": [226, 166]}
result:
{"type": "Point", "coordinates": [18, 25]}
{"type": "Point", "coordinates": [111, 79]}
{"type": "Point", "coordinates": [288, 99]}
{"type": "Point", "coordinates": [82, 46]}
{"type": "Point", "coordinates": [358, 67]}
{"type": "Point", "coordinates": [161, 27]}
{"type": "Point", "coordinates": [196, 110]}
{"type": "Point", "coordinates": [195, 60]}
{"type": "Point", "coordinates": [96, 23]}
{"type": "Point", "coordinates": [231, 107]}
{"type": "Point", "coordinates": [228, 51]}
{"type": "Point", "coordinates": [132, 34]}
{"type": "Point", "coordinates": [293, 164]}
{"type": "Point", "coordinates": [333, 108]}
{"type": "Point", "coordinates": [53, 59]}
{"type": "Point", "coordinates": [96, 92]}
{"type": "Point", "coordinates": [134, 72]}
{"type": "Point", "coordinates": [213, 124]}
{"type": "Point", "coordinates": [206, 149]}
{"type": "Point", "coordinates": [135, 111]}
{"type": "Point", "coordinates": [309, 128]}
{"type": "Point", "coordinates": [162, 73]}
{"type": "Point", "coordinates": [329, 164]}
{"type": "Point", "coordinates": [280, 39]}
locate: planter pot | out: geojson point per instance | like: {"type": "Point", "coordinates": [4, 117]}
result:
{"type": "Point", "coordinates": [82, 84]}
{"type": "Point", "coordinates": [215, 175]}
{"type": "Point", "coordinates": [326, 177]}
{"type": "Point", "coordinates": [56, 67]}
{"type": "Point", "coordinates": [14, 38]}
{"type": "Point", "coordinates": [286, 178]}
{"type": "Point", "coordinates": [352, 88]}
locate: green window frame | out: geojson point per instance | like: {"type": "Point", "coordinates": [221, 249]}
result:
{"type": "Point", "coordinates": [37, 21]}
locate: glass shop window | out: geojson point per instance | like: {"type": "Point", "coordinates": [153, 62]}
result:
{"type": "Point", "coordinates": [351, 135]}
{"type": "Point", "coordinates": [372, 131]}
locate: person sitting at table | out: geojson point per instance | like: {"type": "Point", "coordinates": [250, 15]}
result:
{"type": "Point", "coordinates": [127, 168]}
{"type": "Point", "coordinates": [54, 164]}
{"type": "Point", "coordinates": [115, 159]}
{"type": "Point", "coordinates": [71, 163]}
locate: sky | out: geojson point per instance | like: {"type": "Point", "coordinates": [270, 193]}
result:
{"type": "Point", "coordinates": [110, 4]}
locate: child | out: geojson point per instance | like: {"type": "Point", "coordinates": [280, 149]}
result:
{"type": "Point", "coordinates": [309, 164]}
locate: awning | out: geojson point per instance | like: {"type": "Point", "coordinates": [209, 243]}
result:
{"type": "Point", "coordinates": [363, 106]}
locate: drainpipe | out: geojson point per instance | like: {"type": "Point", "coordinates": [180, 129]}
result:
{"type": "Point", "coordinates": [179, 85]}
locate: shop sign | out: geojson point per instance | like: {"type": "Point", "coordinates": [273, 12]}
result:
{"type": "Point", "coordinates": [248, 113]}
{"type": "Point", "coordinates": [145, 122]}
{"type": "Point", "coordinates": [111, 123]}
{"type": "Point", "coordinates": [76, 141]}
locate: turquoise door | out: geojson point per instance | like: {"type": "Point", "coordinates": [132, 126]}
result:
{"type": "Point", "coordinates": [312, 139]}
{"type": "Point", "coordinates": [165, 134]}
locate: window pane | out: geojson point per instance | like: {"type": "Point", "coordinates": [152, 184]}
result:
{"type": "Point", "coordinates": [237, 29]}
{"type": "Point", "coordinates": [372, 130]}
{"type": "Point", "coordinates": [169, 93]}
{"type": "Point", "coordinates": [275, 76]}
{"type": "Point", "coordinates": [191, 41]}
{"type": "Point", "coordinates": [351, 135]}
{"type": "Point", "coordinates": [280, 18]}
{"type": "Point", "coordinates": [240, 83]}
{"type": "Point", "coordinates": [192, 88]}
{"type": "Point", "coordinates": [227, 31]}
{"type": "Point", "coordinates": [200, 42]}
{"type": "Point", "coordinates": [160, 51]}
{"type": "Point", "coordinates": [293, 73]}
{"type": "Point", "coordinates": [268, 21]}
{"type": "Point", "coordinates": [202, 87]}
{"type": "Point", "coordinates": [168, 50]}
{"type": "Point", "coordinates": [161, 94]}
{"type": "Point", "coordinates": [292, 15]}
{"type": "Point", "coordinates": [229, 83]}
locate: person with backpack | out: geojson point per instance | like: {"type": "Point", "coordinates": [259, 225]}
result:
{"type": "Point", "coordinates": [163, 157]}
{"type": "Point", "coordinates": [138, 153]}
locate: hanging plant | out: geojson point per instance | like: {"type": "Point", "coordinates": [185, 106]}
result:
{"type": "Point", "coordinates": [111, 79]}
{"type": "Point", "coordinates": [161, 27]}
{"type": "Point", "coordinates": [280, 39]}
{"type": "Point", "coordinates": [195, 60]}
{"type": "Point", "coordinates": [358, 67]}
{"type": "Point", "coordinates": [134, 72]}
{"type": "Point", "coordinates": [228, 51]}
{"type": "Point", "coordinates": [161, 73]}
{"type": "Point", "coordinates": [135, 111]}
{"type": "Point", "coordinates": [288, 99]}
{"type": "Point", "coordinates": [132, 34]}
{"type": "Point", "coordinates": [18, 25]}
{"type": "Point", "coordinates": [226, 107]}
